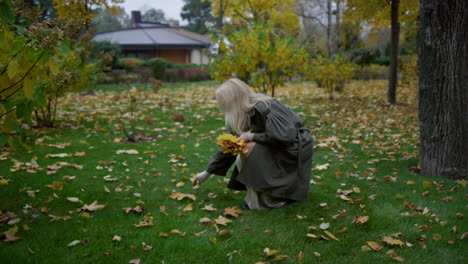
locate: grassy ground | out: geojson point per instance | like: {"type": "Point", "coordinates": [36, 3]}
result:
{"type": "Point", "coordinates": [362, 191]}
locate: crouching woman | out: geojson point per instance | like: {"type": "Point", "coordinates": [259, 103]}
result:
{"type": "Point", "coordinates": [276, 169]}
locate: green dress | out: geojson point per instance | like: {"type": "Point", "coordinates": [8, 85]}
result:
{"type": "Point", "coordinates": [280, 164]}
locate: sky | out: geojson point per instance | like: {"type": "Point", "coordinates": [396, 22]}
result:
{"type": "Point", "coordinates": [171, 8]}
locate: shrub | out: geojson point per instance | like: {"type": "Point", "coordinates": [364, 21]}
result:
{"type": "Point", "coordinates": [106, 47]}
{"type": "Point", "coordinates": [331, 73]}
{"type": "Point", "coordinates": [158, 67]}
{"type": "Point", "coordinates": [130, 64]}
{"type": "Point", "coordinates": [382, 61]}
{"type": "Point", "coordinates": [362, 56]}
{"type": "Point", "coordinates": [372, 71]}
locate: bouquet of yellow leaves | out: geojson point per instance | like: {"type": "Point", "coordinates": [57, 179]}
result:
{"type": "Point", "coordinates": [229, 144]}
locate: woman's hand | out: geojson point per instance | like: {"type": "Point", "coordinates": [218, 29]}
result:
{"type": "Point", "coordinates": [200, 178]}
{"type": "Point", "coordinates": [246, 136]}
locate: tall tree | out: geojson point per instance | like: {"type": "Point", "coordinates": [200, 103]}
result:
{"type": "Point", "coordinates": [395, 39]}
{"type": "Point", "coordinates": [83, 9]}
{"type": "Point", "coordinates": [380, 14]}
{"type": "Point", "coordinates": [197, 13]}
{"type": "Point", "coordinates": [315, 10]}
{"type": "Point", "coordinates": [154, 15]}
{"type": "Point", "coordinates": [443, 89]}
{"type": "Point", "coordinates": [104, 20]}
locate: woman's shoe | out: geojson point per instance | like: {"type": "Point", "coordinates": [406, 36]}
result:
{"type": "Point", "coordinates": [245, 207]}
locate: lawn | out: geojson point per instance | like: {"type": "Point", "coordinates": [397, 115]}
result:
{"type": "Point", "coordinates": [367, 204]}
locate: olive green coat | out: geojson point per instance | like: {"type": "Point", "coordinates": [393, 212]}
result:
{"type": "Point", "coordinates": [280, 163]}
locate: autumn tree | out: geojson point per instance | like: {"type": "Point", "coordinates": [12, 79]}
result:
{"type": "Point", "coordinates": [83, 9]}
{"type": "Point", "coordinates": [322, 13]}
{"type": "Point", "coordinates": [443, 91]}
{"type": "Point", "coordinates": [380, 14]}
{"type": "Point", "coordinates": [105, 20]}
{"type": "Point", "coordinates": [258, 44]}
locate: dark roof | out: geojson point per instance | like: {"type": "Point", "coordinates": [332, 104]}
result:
{"type": "Point", "coordinates": [154, 36]}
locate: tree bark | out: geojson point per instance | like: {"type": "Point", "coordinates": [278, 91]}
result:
{"type": "Point", "coordinates": [329, 25]}
{"type": "Point", "coordinates": [395, 36]}
{"type": "Point", "coordinates": [337, 26]}
{"type": "Point", "coordinates": [443, 88]}
{"type": "Point", "coordinates": [219, 19]}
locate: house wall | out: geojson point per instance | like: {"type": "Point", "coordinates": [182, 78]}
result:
{"type": "Point", "coordinates": [176, 56]}
{"type": "Point", "coordinates": [198, 56]}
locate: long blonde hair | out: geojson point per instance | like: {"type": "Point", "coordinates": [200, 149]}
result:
{"type": "Point", "coordinates": [236, 101]}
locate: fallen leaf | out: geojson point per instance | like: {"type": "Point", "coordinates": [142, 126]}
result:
{"type": "Point", "coordinates": [331, 235]}
{"type": "Point", "coordinates": [270, 252]}
{"type": "Point", "coordinates": [392, 242]}
{"type": "Point", "coordinates": [134, 261]}
{"type": "Point", "coordinates": [209, 208]}
{"type": "Point", "coordinates": [73, 199]}
{"type": "Point", "coordinates": [146, 221]}
{"type": "Point", "coordinates": [374, 245]}
{"type": "Point", "coordinates": [222, 221]}
{"type": "Point", "coordinates": [74, 243]}
{"type": "Point", "coordinates": [93, 207]}
{"type": "Point", "coordinates": [116, 238]}
{"type": "Point", "coordinates": [232, 211]}
{"type": "Point", "coordinates": [127, 151]}
{"type": "Point", "coordinates": [324, 226]}
{"type": "Point", "coordinates": [360, 220]}
{"type": "Point", "coordinates": [204, 220]}
{"type": "Point", "coordinates": [179, 196]}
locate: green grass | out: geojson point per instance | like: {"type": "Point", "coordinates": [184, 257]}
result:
{"type": "Point", "coordinates": [374, 148]}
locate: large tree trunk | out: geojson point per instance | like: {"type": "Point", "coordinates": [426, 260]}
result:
{"type": "Point", "coordinates": [443, 88]}
{"type": "Point", "coordinates": [395, 36]}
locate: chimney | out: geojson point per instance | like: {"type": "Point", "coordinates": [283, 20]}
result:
{"type": "Point", "coordinates": [136, 18]}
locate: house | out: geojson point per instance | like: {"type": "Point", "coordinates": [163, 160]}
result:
{"type": "Point", "coordinates": [148, 40]}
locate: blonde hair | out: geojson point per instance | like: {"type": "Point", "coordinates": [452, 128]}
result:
{"type": "Point", "coordinates": [236, 101]}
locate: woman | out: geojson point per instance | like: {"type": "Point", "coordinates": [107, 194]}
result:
{"type": "Point", "coordinates": [277, 167]}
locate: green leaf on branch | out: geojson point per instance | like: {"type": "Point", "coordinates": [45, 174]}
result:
{"type": "Point", "coordinates": [6, 13]}
{"type": "Point", "coordinates": [28, 87]}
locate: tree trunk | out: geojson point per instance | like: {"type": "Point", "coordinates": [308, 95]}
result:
{"type": "Point", "coordinates": [337, 26]}
{"type": "Point", "coordinates": [329, 25]}
{"type": "Point", "coordinates": [395, 35]}
{"type": "Point", "coordinates": [443, 88]}
{"type": "Point", "coordinates": [219, 19]}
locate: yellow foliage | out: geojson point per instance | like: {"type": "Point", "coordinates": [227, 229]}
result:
{"type": "Point", "coordinates": [278, 13]}
{"type": "Point", "coordinates": [229, 144]}
{"type": "Point", "coordinates": [83, 8]}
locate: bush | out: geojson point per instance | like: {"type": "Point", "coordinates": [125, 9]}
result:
{"type": "Point", "coordinates": [362, 57]}
{"type": "Point", "coordinates": [130, 64]}
{"type": "Point", "coordinates": [105, 47]}
{"type": "Point", "coordinates": [158, 67]}
{"type": "Point", "coordinates": [184, 75]}
{"type": "Point", "coordinates": [371, 72]}
{"type": "Point", "coordinates": [382, 61]}
{"type": "Point", "coordinates": [183, 66]}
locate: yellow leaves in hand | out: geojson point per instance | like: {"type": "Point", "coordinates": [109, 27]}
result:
{"type": "Point", "coordinates": [229, 144]}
